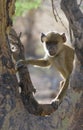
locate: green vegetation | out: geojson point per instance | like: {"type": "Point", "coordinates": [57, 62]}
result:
{"type": "Point", "coordinates": [24, 5]}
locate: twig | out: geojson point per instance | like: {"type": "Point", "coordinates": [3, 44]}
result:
{"type": "Point", "coordinates": [56, 15]}
{"type": "Point", "coordinates": [53, 9]}
{"type": "Point", "coordinates": [70, 32]}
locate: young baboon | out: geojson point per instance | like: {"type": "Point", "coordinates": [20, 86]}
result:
{"type": "Point", "coordinates": [58, 55]}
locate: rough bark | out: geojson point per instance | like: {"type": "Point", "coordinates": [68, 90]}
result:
{"type": "Point", "coordinates": [9, 98]}
{"type": "Point", "coordinates": [75, 18]}
{"type": "Point", "coordinates": [13, 112]}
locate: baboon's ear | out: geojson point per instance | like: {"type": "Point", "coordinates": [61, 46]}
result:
{"type": "Point", "coordinates": [64, 37]}
{"type": "Point", "coordinates": [43, 37]}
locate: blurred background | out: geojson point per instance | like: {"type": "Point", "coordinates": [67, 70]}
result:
{"type": "Point", "coordinates": [32, 17]}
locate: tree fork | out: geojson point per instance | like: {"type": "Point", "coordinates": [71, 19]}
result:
{"type": "Point", "coordinates": [27, 88]}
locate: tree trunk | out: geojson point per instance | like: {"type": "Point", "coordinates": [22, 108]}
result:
{"type": "Point", "coordinates": [15, 108]}
{"type": "Point", "coordinates": [75, 18]}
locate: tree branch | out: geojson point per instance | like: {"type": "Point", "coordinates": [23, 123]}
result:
{"type": "Point", "coordinates": [57, 15]}
{"type": "Point", "coordinates": [27, 88]}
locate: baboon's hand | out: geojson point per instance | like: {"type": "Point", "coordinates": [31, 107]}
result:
{"type": "Point", "coordinates": [19, 64]}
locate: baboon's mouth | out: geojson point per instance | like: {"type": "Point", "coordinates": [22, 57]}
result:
{"type": "Point", "coordinates": [52, 53]}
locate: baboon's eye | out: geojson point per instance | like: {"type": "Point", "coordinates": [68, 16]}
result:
{"type": "Point", "coordinates": [51, 43]}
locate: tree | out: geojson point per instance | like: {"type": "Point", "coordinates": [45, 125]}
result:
{"type": "Point", "coordinates": [15, 108]}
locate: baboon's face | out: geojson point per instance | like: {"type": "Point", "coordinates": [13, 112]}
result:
{"type": "Point", "coordinates": [53, 42]}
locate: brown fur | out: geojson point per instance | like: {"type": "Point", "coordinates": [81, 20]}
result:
{"type": "Point", "coordinates": [58, 55]}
